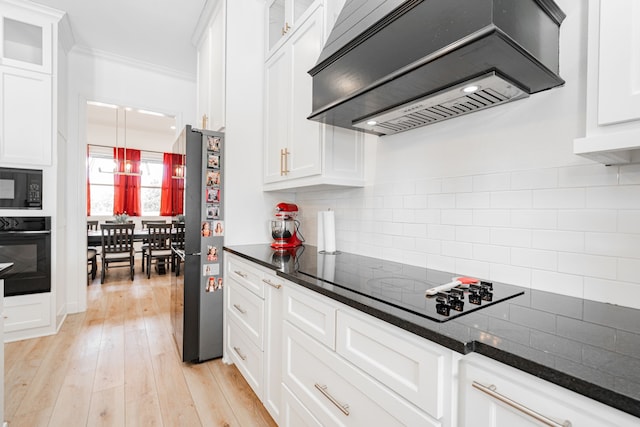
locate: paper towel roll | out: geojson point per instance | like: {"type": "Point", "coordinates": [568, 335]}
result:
{"type": "Point", "coordinates": [326, 232]}
{"type": "Point", "coordinates": [329, 232]}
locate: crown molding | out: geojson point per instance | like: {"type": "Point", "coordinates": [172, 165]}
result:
{"type": "Point", "coordinates": [132, 62]}
{"type": "Point", "coordinates": [208, 11]}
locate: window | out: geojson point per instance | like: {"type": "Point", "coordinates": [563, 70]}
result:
{"type": "Point", "coordinates": [101, 163]}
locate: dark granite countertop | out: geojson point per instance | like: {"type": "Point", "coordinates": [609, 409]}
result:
{"type": "Point", "coordinates": [589, 347]}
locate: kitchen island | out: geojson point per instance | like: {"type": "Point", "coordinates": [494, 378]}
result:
{"type": "Point", "coordinates": [584, 346]}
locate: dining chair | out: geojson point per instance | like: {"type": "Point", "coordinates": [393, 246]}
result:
{"type": "Point", "coordinates": [159, 246]}
{"type": "Point", "coordinates": [177, 242]}
{"type": "Point", "coordinates": [92, 252]}
{"type": "Point", "coordinates": [145, 242]}
{"type": "Point", "coordinates": [117, 247]}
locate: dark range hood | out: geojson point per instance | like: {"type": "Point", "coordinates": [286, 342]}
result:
{"type": "Point", "coordinates": [391, 66]}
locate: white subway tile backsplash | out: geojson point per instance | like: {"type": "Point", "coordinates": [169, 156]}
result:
{"type": "Point", "coordinates": [415, 201]}
{"type": "Point", "coordinates": [516, 237]}
{"type": "Point", "coordinates": [520, 199]}
{"type": "Point", "coordinates": [428, 216]}
{"type": "Point", "coordinates": [458, 184]}
{"type": "Point", "coordinates": [534, 219]}
{"type": "Point", "coordinates": [473, 234]}
{"type": "Point", "coordinates": [532, 179]}
{"type": "Point", "coordinates": [429, 246]}
{"type": "Point", "coordinates": [587, 175]}
{"type": "Point", "coordinates": [441, 201]}
{"type": "Point", "coordinates": [568, 241]}
{"type": "Point", "coordinates": [613, 244]}
{"type": "Point", "coordinates": [429, 186]}
{"type": "Point", "coordinates": [587, 220]}
{"type": "Point", "coordinates": [404, 188]}
{"type": "Point", "coordinates": [441, 232]}
{"type": "Point", "coordinates": [573, 230]}
{"type": "Point", "coordinates": [440, 262]}
{"type": "Point", "coordinates": [611, 291]}
{"type": "Point", "coordinates": [404, 215]}
{"type": "Point", "coordinates": [491, 253]}
{"type": "Point", "coordinates": [559, 198]}
{"type": "Point", "coordinates": [629, 221]}
{"type": "Point", "coordinates": [630, 174]}
{"type": "Point", "coordinates": [415, 230]}
{"type": "Point", "coordinates": [457, 216]}
{"type": "Point", "coordinates": [457, 249]}
{"type": "Point", "coordinates": [566, 284]}
{"type": "Point", "coordinates": [492, 182]}
{"type": "Point", "coordinates": [535, 258]}
{"type": "Point", "coordinates": [622, 197]}
{"type": "Point", "coordinates": [473, 200]}
{"type": "Point", "coordinates": [587, 265]}
{"type": "Point", "coordinates": [511, 274]}
{"type": "Point", "coordinates": [628, 269]}
{"type": "Point", "coordinates": [491, 217]}
{"type": "Point", "coordinates": [473, 268]}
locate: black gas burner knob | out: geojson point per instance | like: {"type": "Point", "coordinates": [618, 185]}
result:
{"type": "Point", "coordinates": [443, 309]}
{"type": "Point", "coordinates": [488, 286]}
{"type": "Point", "coordinates": [457, 293]}
{"type": "Point", "coordinates": [475, 294]}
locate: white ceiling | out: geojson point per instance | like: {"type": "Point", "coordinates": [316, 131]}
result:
{"type": "Point", "coordinates": [153, 31]}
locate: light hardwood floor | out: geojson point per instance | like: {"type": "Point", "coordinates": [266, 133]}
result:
{"type": "Point", "coordinates": [117, 365]}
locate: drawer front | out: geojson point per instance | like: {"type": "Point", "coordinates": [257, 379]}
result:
{"type": "Point", "coordinates": [246, 356]}
{"type": "Point", "coordinates": [311, 314]}
{"type": "Point", "coordinates": [294, 414]}
{"type": "Point", "coordinates": [247, 309]}
{"type": "Point", "coordinates": [406, 364]}
{"type": "Point", "coordinates": [245, 274]}
{"type": "Point", "coordinates": [337, 393]}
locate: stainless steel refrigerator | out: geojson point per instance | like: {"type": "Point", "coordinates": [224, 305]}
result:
{"type": "Point", "coordinates": [197, 282]}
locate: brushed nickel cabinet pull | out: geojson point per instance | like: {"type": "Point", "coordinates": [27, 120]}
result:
{"type": "Point", "coordinates": [270, 283]}
{"type": "Point", "coordinates": [242, 356]}
{"type": "Point", "coordinates": [283, 161]}
{"type": "Point", "coordinates": [240, 309]}
{"type": "Point", "coordinates": [241, 274]}
{"type": "Point", "coordinates": [491, 391]}
{"type": "Point", "coordinates": [343, 407]}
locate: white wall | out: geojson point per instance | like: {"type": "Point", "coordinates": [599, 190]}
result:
{"type": "Point", "coordinates": [111, 80]}
{"type": "Point", "coordinates": [247, 208]}
{"type": "Point", "coordinates": [499, 194]}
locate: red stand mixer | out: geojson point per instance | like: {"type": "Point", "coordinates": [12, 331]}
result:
{"type": "Point", "coordinates": [285, 228]}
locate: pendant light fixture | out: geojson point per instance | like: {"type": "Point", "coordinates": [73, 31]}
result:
{"type": "Point", "coordinates": [127, 168]}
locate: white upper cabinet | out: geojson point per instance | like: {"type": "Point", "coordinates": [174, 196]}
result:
{"type": "Point", "coordinates": [613, 83]}
{"type": "Point", "coordinates": [299, 152]}
{"type": "Point", "coordinates": [211, 79]}
{"type": "Point", "coordinates": [28, 81]}
{"type": "Point", "coordinates": [283, 17]}
{"type": "Point", "coordinates": [27, 38]}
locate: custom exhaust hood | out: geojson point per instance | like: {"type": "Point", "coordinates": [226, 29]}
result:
{"type": "Point", "coordinates": [393, 65]}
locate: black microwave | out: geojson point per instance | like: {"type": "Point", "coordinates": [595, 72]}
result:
{"type": "Point", "coordinates": [20, 188]}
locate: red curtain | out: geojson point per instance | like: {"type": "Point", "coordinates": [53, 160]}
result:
{"type": "Point", "coordinates": [126, 188]}
{"type": "Point", "coordinates": [88, 183]}
{"type": "Point", "coordinates": [172, 185]}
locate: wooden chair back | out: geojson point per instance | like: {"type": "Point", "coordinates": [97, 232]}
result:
{"type": "Point", "coordinates": [92, 225]}
{"type": "Point", "coordinates": [117, 238]}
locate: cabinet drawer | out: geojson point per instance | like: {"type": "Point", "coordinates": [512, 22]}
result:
{"type": "Point", "coordinates": [246, 275]}
{"type": "Point", "coordinates": [246, 356]}
{"type": "Point", "coordinates": [247, 309]}
{"type": "Point", "coordinates": [294, 413]}
{"type": "Point", "coordinates": [337, 393]}
{"type": "Point", "coordinates": [408, 365]}
{"type": "Point", "coordinates": [311, 314]}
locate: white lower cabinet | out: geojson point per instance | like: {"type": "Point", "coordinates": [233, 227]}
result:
{"type": "Point", "coordinates": [349, 369]}
{"type": "Point", "coordinates": [336, 392]}
{"type": "Point", "coordinates": [253, 328]}
{"type": "Point", "coordinates": [495, 395]}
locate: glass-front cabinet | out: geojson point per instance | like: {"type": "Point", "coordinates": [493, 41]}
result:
{"type": "Point", "coordinates": [26, 40]}
{"type": "Point", "coordinates": [282, 18]}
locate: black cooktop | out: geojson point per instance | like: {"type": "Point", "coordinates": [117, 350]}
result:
{"type": "Point", "coordinates": [394, 284]}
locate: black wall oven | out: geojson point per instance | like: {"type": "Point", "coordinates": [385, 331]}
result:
{"type": "Point", "coordinates": [26, 242]}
